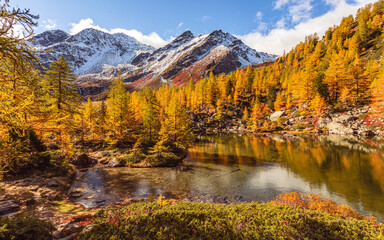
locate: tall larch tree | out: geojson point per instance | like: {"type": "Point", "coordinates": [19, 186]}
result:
{"type": "Point", "coordinates": [118, 108]}
{"type": "Point", "coordinates": [59, 83]}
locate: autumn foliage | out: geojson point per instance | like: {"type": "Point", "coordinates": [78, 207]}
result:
{"type": "Point", "coordinates": [317, 203]}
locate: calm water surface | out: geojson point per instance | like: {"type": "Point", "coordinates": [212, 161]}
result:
{"type": "Point", "coordinates": [244, 168]}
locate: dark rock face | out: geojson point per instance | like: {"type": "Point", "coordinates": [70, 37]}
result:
{"type": "Point", "coordinates": [49, 38]}
{"type": "Point", "coordinates": [7, 207]}
{"type": "Point", "coordinates": [139, 58]}
{"type": "Point", "coordinates": [83, 160]}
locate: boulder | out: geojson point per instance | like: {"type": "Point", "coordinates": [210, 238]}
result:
{"type": "Point", "coordinates": [83, 160]}
{"type": "Point", "coordinates": [338, 128]}
{"type": "Point", "coordinates": [7, 207]}
{"type": "Point", "coordinates": [276, 115]}
{"type": "Point", "coordinates": [113, 163]}
{"type": "Point", "coordinates": [53, 183]}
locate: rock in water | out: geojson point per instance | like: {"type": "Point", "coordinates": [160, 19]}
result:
{"type": "Point", "coordinates": [83, 160]}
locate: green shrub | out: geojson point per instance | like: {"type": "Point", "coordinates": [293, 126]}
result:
{"type": "Point", "coordinates": [162, 159]}
{"type": "Point", "coordinates": [152, 220]}
{"type": "Point", "coordinates": [133, 158]}
{"type": "Point", "coordinates": [22, 153]}
{"type": "Point", "coordinates": [25, 228]}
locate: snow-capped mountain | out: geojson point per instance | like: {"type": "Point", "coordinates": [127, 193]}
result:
{"type": "Point", "coordinates": [89, 50]}
{"type": "Point", "coordinates": [187, 57]}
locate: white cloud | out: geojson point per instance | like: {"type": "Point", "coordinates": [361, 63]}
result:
{"type": "Point", "coordinates": [17, 31]}
{"type": "Point", "coordinates": [280, 3]}
{"type": "Point", "coordinates": [281, 23]}
{"type": "Point", "coordinates": [204, 18]}
{"type": "Point", "coordinates": [332, 2]}
{"type": "Point", "coordinates": [84, 24]}
{"type": "Point", "coordinates": [280, 39]}
{"type": "Point", "coordinates": [49, 24]}
{"type": "Point", "coordinates": [300, 11]}
{"type": "Point", "coordinates": [180, 25]}
{"type": "Point", "coordinates": [258, 17]}
{"type": "Point", "coordinates": [153, 39]}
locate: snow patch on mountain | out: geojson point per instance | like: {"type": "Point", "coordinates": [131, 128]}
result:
{"type": "Point", "coordinates": [89, 50]}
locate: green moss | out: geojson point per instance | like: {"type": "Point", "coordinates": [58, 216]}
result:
{"type": "Point", "coordinates": [151, 220]}
{"type": "Point", "coordinates": [64, 207]}
{"type": "Point", "coordinates": [25, 228]}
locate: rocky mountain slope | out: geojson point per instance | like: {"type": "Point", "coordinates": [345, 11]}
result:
{"type": "Point", "coordinates": [97, 57]}
{"type": "Point", "coordinates": [187, 57]}
{"type": "Point", "coordinates": [89, 50]}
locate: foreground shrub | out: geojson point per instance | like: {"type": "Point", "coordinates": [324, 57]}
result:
{"type": "Point", "coordinates": [25, 228]}
{"type": "Point", "coordinates": [133, 158]}
{"type": "Point", "coordinates": [315, 202]}
{"type": "Point", "coordinates": [154, 220]}
{"type": "Point", "coordinates": [163, 159]}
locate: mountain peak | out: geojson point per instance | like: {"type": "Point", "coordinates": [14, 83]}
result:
{"type": "Point", "coordinates": [184, 37]}
{"type": "Point", "coordinates": [49, 37]}
{"type": "Point", "coordinates": [220, 34]}
{"type": "Point", "coordinates": [89, 50]}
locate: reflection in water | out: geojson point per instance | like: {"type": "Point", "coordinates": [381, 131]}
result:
{"type": "Point", "coordinates": [231, 168]}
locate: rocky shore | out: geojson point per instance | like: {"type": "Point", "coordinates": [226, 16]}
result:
{"type": "Point", "coordinates": [355, 121]}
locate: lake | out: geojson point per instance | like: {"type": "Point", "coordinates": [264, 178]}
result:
{"type": "Point", "coordinates": [245, 168]}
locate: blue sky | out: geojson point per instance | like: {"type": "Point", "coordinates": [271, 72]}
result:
{"type": "Point", "coordinates": [270, 26]}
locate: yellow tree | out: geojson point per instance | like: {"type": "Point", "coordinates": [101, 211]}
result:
{"type": "Point", "coordinates": [151, 121]}
{"type": "Point", "coordinates": [118, 109]}
{"type": "Point", "coordinates": [175, 125]}
{"type": "Point", "coordinates": [318, 106]}
{"type": "Point", "coordinates": [259, 113]}
{"type": "Point", "coordinates": [278, 102]}
{"type": "Point", "coordinates": [377, 105]}
{"type": "Point", "coordinates": [62, 96]}
{"type": "Point", "coordinates": [90, 115]}
{"type": "Point", "coordinates": [336, 75]}
{"type": "Point", "coordinates": [19, 81]}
